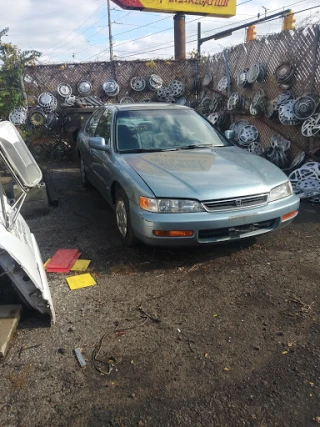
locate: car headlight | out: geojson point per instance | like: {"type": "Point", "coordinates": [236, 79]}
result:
{"type": "Point", "coordinates": [281, 191]}
{"type": "Point", "coordinates": [170, 205]}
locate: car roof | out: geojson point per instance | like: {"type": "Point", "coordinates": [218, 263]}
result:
{"type": "Point", "coordinates": [147, 106]}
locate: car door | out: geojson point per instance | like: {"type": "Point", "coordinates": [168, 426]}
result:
{"type": "Point", "coordinates": [101, 159]}
{"type": "Point", "coordinates": [85, 150]}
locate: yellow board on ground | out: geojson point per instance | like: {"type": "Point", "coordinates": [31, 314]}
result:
{"type": "Point", "coordinates": [81, 265]}
{"type": "Point", "coordinates": [220, 8]}
{"type": "Point", "coordinates": [80, 281]}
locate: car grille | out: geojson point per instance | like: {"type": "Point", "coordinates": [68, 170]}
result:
{"type": "Point", "coordinates": [221, 233]}
{"type": "Point", "coordinates": [236, 203]}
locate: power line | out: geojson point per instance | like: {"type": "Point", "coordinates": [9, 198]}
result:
{"type": "Point", "coordinates": [138, 27]}
{"type": "Point", "coordinates": [72, 47]}
{"type": "Point", "coordinates": [191, 41]}
{"type": "Point", "coordinates": [97, 10]}
{"type": "Point", "coordinates": [135, 29]}
{"type": "Point", "coordinates": [158, 32]}
{"type": "Point", "coordinates": [48, 14]}
{"type": "Point", "coordinates": [141, 26]}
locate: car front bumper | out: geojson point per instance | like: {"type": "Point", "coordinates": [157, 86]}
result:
{"type": "Point", "coordinates": [212, 227]}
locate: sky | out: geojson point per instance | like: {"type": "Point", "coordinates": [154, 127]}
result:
{"type": "Point", "coordinates": [77, 30]}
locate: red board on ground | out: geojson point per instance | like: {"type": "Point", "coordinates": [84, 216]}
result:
{"type": "Point", "coordinates": [62, 261]}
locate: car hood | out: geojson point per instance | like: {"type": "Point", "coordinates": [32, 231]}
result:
{"type": "Point", "coordinates": [206, 174]}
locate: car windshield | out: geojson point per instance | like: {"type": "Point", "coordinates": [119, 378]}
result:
{"type": "Point", "coordinates": [163, 130]}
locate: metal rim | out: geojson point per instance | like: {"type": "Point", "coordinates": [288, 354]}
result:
{"type": "Point", "coordinates": [255, 147]}
{"type": "Point", "coordinates": [301, 174]}
{"type": "Point", "coordinates": [223, 84]}
{"type": "Point", "coordinates": [64, 90]}
{"type": "Point", "coordinates": [214, 118]}
{"type": "Point", "coordinates": [280, 141]}
{"type": "Point", "coordinates": [170, 99]}
{"type": "Point", "coordinates": [215, 103]}
{"type": "Point", "coordinates": [138, 84]}
{"type": "Point", "coordinates": [206, 105]}
{"type": "Point", "coordinates": [314, 166]}
{"type": "Point", "coordinates": [181, 101]}
{"type": "Point", "coordinates": [176, 88]}
{"type": "Point", "coordinates": [311, 126]}
{"type": "Point", "coordinates": [271, 110]}
{"type": "Point", "coordinates": [163, 93]}
{"type": "Point", "coordinates": [18, 116]}
{"type": "Point", "coordinates": [286, 115]}
{"type": "Point", "coordinates": [37, 118]}
{"type": "Point", "coordinates": [243, 78]}
{"type": "Point", "coordinates": [237, 126]}
{"type": "Point", "coordinates": [84, 87]}
{"type": "Point", "coordinates": [122, 218]}
{"type": "Point", "coordinates": [234, 102]}
{"type": "Point", "coordinates": [126, 100]}
{"type": "Point", "coordinates": [47, 101]}
{"type": "Point", "coordinates": [284, 97]}
{"type": "Point", "coordinates": [155, 82]}
{"type": "Point", "coordinates": [284, 72]}
{"type": "Point", "coordinates": [207, 80]}
{"type": "Point", "coordinates": [304, 107]}
{"type": "Point", "coordinates": [111, 87]}
{"type": "Point", "coordinates": [248, 134]}
{"type": "Point", "coordinates": [53, 121]}
{"type": "Point", "coordinates": [253, 73]}
{"type": "Point", "coordinates": [298, 160]}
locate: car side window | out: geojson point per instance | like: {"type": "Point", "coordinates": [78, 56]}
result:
{"type": "Point", "coordinates": [104, 126]}
{"type": "Point", "coordinates": [92, 123]}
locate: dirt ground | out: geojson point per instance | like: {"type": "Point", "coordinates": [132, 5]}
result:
{"type": "Point", "coordinates": [222, 336]}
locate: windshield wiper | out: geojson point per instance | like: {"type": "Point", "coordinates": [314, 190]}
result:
{"type": "Point", "coordinates": [145, 150]}
{"type": "Point", "coordinates": [192, 146]}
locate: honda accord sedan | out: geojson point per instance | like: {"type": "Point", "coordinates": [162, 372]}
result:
{"type": "Point", "coordinates": [173, 179]}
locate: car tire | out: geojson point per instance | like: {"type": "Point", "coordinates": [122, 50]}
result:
{"type": "Point", "coordinates": [84, 179]}
{"type": "Point", "coordinates": [123, 219]}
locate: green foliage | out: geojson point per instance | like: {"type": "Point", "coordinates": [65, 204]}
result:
{"type": "Point", "coordinates": [12, 63]}
{"type": "Point", "coordinates": [193, 54]}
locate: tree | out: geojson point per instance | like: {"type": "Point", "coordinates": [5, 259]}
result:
{"type": "Point", "coordinates": [12, 64]}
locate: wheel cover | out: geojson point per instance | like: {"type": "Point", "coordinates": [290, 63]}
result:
{"type": "Point", "coordinates": [122, 219]}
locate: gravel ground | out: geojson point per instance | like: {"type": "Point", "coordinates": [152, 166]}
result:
{"type": "Point", "coordinates": [222, 336]}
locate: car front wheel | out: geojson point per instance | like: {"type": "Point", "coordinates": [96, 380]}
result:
{"type": "Point", "coordinates": [123, 219]}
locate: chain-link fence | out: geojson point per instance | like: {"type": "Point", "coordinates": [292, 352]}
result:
{"type": "Point", "coordinates": [299, 48]}
{"type": "Point", "coordinates": [44, 78]}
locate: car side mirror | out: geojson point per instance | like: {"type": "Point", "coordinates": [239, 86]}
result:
{"type": "Point", "coordinates": [229, 134]}
{"type": "Point", "coordinates": [98, 143]}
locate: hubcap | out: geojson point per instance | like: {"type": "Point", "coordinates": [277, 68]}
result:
{"type": "Point", "coordinates": [122, 219]}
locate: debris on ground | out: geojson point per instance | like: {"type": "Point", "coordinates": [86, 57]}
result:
{"type": "Point", "coordinates": [80, 358]}
{"type": "Point", "coordinates": [62, 261]}
{"type": "Point", "coordinates": [81, 265]}
{"type": "Point", "coordinates": [9, 320]}
{"type": "Point", "coordinates": [80, 281]}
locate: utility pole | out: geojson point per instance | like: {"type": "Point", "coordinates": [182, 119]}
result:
{"type": "Point", "coordinates": [110, 32]}
{"type": "Point", "coordinates": [179, 36]}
